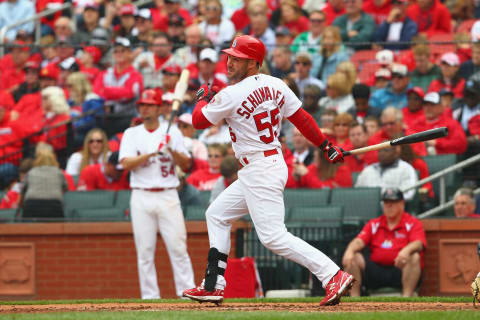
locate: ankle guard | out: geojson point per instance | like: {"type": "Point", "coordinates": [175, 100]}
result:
{"type": "Point", "coordinates": [213, 270]}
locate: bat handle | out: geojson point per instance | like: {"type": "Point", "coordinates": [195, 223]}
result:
{"type": "Point", "coordinates": [346, 153]}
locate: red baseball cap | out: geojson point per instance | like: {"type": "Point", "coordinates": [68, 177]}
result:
{"type": "Point", "coordinates": [31, 64]}
{"type": "Point", "coordinates": [22, 45]}
{"type": "Point", "coordinates": [474, 125]}
{"type": "Point", "coordinates": [172, 69]}
{"type": "Point", "coordinates": [94, 52]}
{"type": "Point", "coordinates": [128, 9]}
{"type": "Point", "coordinates": [417, 90]}
{"type": "Point", "coordinates": [150, 96]}
{"type": "Point", "coordinates": [50, 71]}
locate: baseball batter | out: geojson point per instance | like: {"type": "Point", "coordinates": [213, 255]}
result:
{"type": "Point", "coordinates": [253, 105]}
{"type": "Point", "coordinates": [151, 156]}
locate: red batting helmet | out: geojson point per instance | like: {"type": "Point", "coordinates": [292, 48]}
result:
{"type": "Point", "coordinates": [149, 96]}
{"type": "Point", "coordinates": [247, 47]}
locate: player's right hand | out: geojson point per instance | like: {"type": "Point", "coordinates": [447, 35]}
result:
{"type": "Point", "coordinates": [332, 153]}
{"type": "Point", "coordinates": [206, 94]}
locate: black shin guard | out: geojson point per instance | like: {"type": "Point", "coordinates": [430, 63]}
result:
{"type": "Point", "coordinates": [213, 270]}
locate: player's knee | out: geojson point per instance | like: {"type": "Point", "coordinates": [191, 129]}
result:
{"type": "Point", "coordinates": [270, 241]}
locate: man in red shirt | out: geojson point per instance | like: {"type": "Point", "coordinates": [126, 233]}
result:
{"type": "Point", "coordinates": [464, 204]}
{"type": "Point", "coordinates": [431, 16]}
{"type": "Point", "coordinates": [414, 109]}
{"type": "Point", "coordinates": [396, 241]}
{"type": "Point", "coordinates": [108, 176]}
{"type": "Point", "coordinates": [358, 137]}
{"type": "Point", "coordinates": [13, 77]}
{"type": "Point", "coordinates": [333, 9]}
{"type": "Point", "coordinates": [378, 9]}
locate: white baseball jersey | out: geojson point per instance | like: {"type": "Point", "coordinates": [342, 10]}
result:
{"type": "Point", "coordinates": [159, 171]}
{"type": "Point", "coordinates": [253, 109]}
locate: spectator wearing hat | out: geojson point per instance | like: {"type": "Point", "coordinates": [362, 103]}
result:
{"type": "Point", "coordinates": [394, 94]}
{"type": "Point", "coordinates": [188, 55]}
{"type": "Point", "coordinates": [431, 16]}
{"type": "Point", "coordinates": [464, 204]}
{"type": "Point", "coordinates": [282, 62]}
{"type": "Point", "coordinates": [311, 97]}
{"type": "Point", "coordinates": [329, 55]}
{"type": "Point", "coordinates": [449, 65]}
{"type": "Point", "coordinates": [13, 11]}
{"type": "Point", "coordinates": [176, 30]}
{"type": "Point", "coordinates": [283, 37]}
{"type": "Point", "coordinates": [258, 26]}
{"type": "Point", "coordinates": [310, 40]}
{"type": "Point", "coordinates": [14, 183]}
{"type": "Point", "coordinates": [126, 28]}
{"type": "Point", "coordinates": [120, 85]}
{"type": "Point", "coordinates": [144, 30]}
{"type": "Point", "coordinates": [396, 241]}
{"type": "Point", "coordinates": [49, 76]}
{"type": "Point", "coordinates": [216, 28]}
{"type": "Point", "coordinates": [362, 26]}
{"type": "Point", "coordinates": [13, 77]}
{"type": "Point", "coordinates": [89, 60]}
{"type": "Point", "coordinates": [414, 109]}
{"type": "Point", "coordinates": [198, 150]}
{"type": "Point", "coordinates": [100, 38]}
{"type": "Point", "coordinates": [398, 29]}
{"type": "Point", "coordinates": [31, 83]}
{"type": "Point", "coordinates": [104, 176]}
{"type": "Point", "coordinates": [435, 117]}
{"type": "Point", "coordinates": [380, 10]}
{"type": "Point", "coordinates": [382, 78]}
{"type": "Point", "coordinates": [333, 9]}
{"type": "Point", "coordinates": [425, 71]}
{"type": "Point", "coordinates": [206, 69]}
{"type": "Point", "coordinates": [171, 74]}
{"type": "Point", "coordinates": [291, 16]}
{"type": "Point", "coordinates": [151, 63]}
{"type": "Point", "coordinates": [65, 48]}
{"type": "Point", "coordinates": [90, 18]}
{"type": "Point", "coordinates": [361, 96]}
{"type": "Point", "coordinates": [446, 98]}
{"type": "Point", "coordinates": [303, 65]}
{"type": "Point", "coordinates": [162, 11]}
{"type": "Point", "coordinates": [67, 67]}
{"type": "Point", "coordinates": [472, 66]}
{"type": "Point", "coordinates": [65, 28]}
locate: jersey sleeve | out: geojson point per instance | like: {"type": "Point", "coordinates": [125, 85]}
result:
{"type": "Point", "coordinates": [127, 146]}
{"type": "Point", "coordinates": [292, 103]}
{"type": "Point", "coordinates": [220, 107]}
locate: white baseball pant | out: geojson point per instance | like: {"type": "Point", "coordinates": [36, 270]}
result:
{"type": "Point", "coordinates": [259, 192]}
{"type": "Point", "coordinates": [153, 211]}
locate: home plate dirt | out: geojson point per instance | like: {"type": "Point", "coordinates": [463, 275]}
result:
{"type": "Point", "coordinates": [234, 306]}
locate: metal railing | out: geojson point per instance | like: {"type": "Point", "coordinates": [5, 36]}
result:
{"type": "Point", "coordinates": [442, 207]}
{"type": "Point", "coordinates": [36, 18]}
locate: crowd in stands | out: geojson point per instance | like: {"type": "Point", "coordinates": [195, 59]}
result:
{"type": "Point", "coordinates": [366, 70]}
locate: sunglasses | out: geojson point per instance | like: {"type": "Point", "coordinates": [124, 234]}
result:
{"type": "Point", "coordinates": [212, 8]}
{"type": "Point", "coordinates": [304, 63]}
{"type": "Point", "coordinates": [95, 140]}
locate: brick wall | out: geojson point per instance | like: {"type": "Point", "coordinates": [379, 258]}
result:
{"type": "Point", "coordinates": [98, 260]}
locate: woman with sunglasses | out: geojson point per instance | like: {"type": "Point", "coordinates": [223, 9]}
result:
{"type": "Point", "coordinates": [95, 150]}
{"type": "Point", "coordinates": [216, 28]}
{"type": "Point", "coordinates": [205, 179]}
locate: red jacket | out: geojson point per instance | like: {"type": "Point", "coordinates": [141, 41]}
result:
{"type": "Point", "coordinates": [457, 89]}
{"type": "Point", "coordinates": [11, 78]}
{"type": "Point", "coordinates": [380, 14]}
{"type": "Point", "coordinates": [93, 177]}
{"type": "Point", "coordinates": [357, 163]}
{"type": "Point", "coordinates": [434, 20]}
{"type": "Point", "coordinates": [298, 26]}
{"type": "Point", "coordinates": [342, 178]}
{"type": "Point", "coordinates": [160, 19]}
{"type": "Point", "coordinates": [381, 136]}
{"type": "Point", "coordinates": [57, 137]}
{"type": "Point", "coordinates": [421, 166]}
{"type": "Point", "coordinates": [110, 91]}
{"type": "Point", "coordinates": [331, 14]}
{"type": "Point", "coordinates": [455, 142]}
{"type": "Point", "coordinates": [240, 19]}
{"type": "Point", "coordinates": [409, 118]}
{"type": "Point", "coordinates": [203, 179]}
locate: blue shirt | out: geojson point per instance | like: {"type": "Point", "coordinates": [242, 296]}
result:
{"type": "Point", "coordinates": [11, 13]}
{"type": "Point", "coordinates": [385, 97]}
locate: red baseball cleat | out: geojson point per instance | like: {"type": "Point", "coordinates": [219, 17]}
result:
{"type": "Point", "coordinates": [202, 295]}
{"type": "Point", "coordinates": [336, 288]}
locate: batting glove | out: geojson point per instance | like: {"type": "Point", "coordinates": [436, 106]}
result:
{"type": "Point", "coordinates": [164, 145]}
{"type": "Point", "coordinates": [332, 153]}
{"type": "Point", "coordinates": [206, 94]}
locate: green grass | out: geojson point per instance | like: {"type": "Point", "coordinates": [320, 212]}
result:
{"type": "Point", "coordinates": [271, 315]}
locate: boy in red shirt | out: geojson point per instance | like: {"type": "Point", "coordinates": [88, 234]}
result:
{"type": "Point", "coordinates": [109, 176]}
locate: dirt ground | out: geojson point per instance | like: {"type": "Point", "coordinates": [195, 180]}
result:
{"type": "Point", "coordinates": [233, 306]}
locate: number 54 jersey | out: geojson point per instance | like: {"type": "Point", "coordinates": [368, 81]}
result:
{"type": "Point", "coordinates": [254, 109]}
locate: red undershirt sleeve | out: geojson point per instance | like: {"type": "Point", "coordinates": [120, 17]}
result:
{"type": "Point", "coordinates": [307, 126]}
{"type": "Point", "coordinates": [199, 121]}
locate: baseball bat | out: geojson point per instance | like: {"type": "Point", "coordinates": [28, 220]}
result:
{"type": "Point", "coordinates": [411, 138]}
{"type": "Point", "coordinates": [180, 89]}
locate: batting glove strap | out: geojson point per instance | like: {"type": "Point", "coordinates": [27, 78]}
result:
{"type": "Point", "coordinates": [205, 94]}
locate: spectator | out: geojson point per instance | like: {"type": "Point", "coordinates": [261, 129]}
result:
{"type": "Point", "coordinates": [327, 117]}
{"type": "Point", "coordinates": [126, 28]}
{"type": "Point", "coordinates": [311, 97]}
{"type": "Point", "coordinates": [341, 125]}
{"type": "Point", "coordinates": [67, 67]}
{"type": "Point", "coordinates": [320, 174]}
{"type": "Point", "coordinates": [65, 29]}
{"type": "Point", "coordinates": [188, 54]}
{"type": "Point", "coordinates": [13, 11]}
{"type": "Point", "coordinates": [356, 27]}
{"type": "Point", "coordinates": [101, 39]}
{"type": "Point", "coordinates": [389, 172]}
{"type": "Point", "coordinates": [120, 85]}
{"type": "Point", "coordinates": [330, 55]}
{"type": "Point", "coordinates": [455, 141]}
{"type": "Point", "coordinates": [83, 99]}
{"type": "Point", "coordinates": [104, 176]}
{"type": "Point", "coordinates": [446, 99]}
{"type": "Point", "coordinates": [188, 195]}
{"type": "Point", "coordinates": [205, 179]}
{"type": "Point", "coordinates": [176, 30]}
{"type": "Point", "coordinates": [143, 37]}
{"type": "Point", "coordinates": [31, 83]}
{"type": "Point", "coordinates": [259, 25]}
{"type": "Point", "coordinates": [309, 41]}
{"type": "Point", "coordinates": [392, 260]}
{"type": "Point", "coordinates": [472, 66]}
{"type": "Point", "coordinates": [95, 150]}
{"type": "Point", "coordinates": [382, 79]}
{"type": "Point", "coordinates": [302, 150]}
{"type": "Point", "coordinates": [282, 62]}
{"type": "Point", "coordinates": [338, 94]}
{"type": "Point", "coordinates": [48, 51]}
{"type": "Point", "coordinates": [43, 188]}
{"type": "Point", "coordinates": [425, 71]}
{"type": "Point", "coordinates": [170, 76]}
{"type": "Point", "coordinates": [357, 134]}
{"type": "Point", "coordinates": [216, 28]}
{"type": "Point", "coordinates": [89, 61]}
{"type": "Point", "coordinates": [463, 46]}
{"type": "Point", "coordinates": [184, 123]}
{"type": "Point", "coordinates": [372, 125]}
{"type": "Point", "coordinates": [151, 63]}
{"type": "Point", "coordinates": [172, 7]}
{"type": "Point", "coordinates": [380, 10]}
{"type": "Point", "coordinates": [449, 65]}
{"type": "Point", "coordinates": [11, 199]}
{"type": "Point", "coordinates": [241, 18]}
{"type": "Point", "coordinates": [395, 94]}
{"type": "Point", "coordinates": [407, 155]}
{"type": "Point", "coordinates": [397, 28]}
{"type": "Point", "coordinates": [414, 109]}
{"type": "Point", "coordinates": [90, 19]}
{"type": "Point", "coordinates": [11, 78]}
{"type": "Point", "coordinates": [283, 37]}
{"type": "Point", "coordinates": [361, 109]}
{"type": "Point", "coordinates": [303, 64]}
{"type": "Point", "coordinates": [291, 16]}
{"type": "Point", "coordinates": [464, 204]}
{"type": "Point", "coordinates": [431, 16]}
{"type": "Point", "coordinates": [206, 69]}
{"type": "Point", "coordinates": [333, 9]}
{"type": "Point", "coordinates": [228, 169]}
{"type": "Point", "coordinates": [350, 71]}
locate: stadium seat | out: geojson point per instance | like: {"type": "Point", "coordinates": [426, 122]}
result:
{"type": "Point", "coordinates": [363, 56]}
{"type": "Point", "coordinates": [104, 214]}
{"type": "Point", "coordinates": [354, 177]}
{"type": "Point", "coordinates": [195, 213]}
{"type": "Point", "coordinates": [367, 72]}
{"type": "Point", "coordinates": [75, 179]}
{"type": "Point", "coordinates": [98, 199]}
{"type": "Point", "coordinates": [8, 215]}
{"type": "Point", "coordinates": [466, 26]}
{"type": "Point", "coordinates": [306, 197]}
{"type": "Point", "coordinates": [205, 197]}
{"type": "Point", "coordinates": [359, 204]}
{"type": "Point", "coordinates": [122, 201]}
{"type": "Point", "coordinates": [439, 162]}
{"type": "Point", "coordinates": [328, 216]}
{"type": "Point", "coordinates": [444, 44]}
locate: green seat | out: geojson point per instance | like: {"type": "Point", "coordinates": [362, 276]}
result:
{"type": "Point", "coordinates": [306, 197]}
{"type": "Point", "coordinates": [98, 199]}
{"type": "Point", "coordinates": [103, 214]}
{"type": "Point", "coordinates": [328, 216]}
{"type": "Point", "coordinates": [75, 179]}
{"type": "Point", "coordinates": [438, 163]}
{"type": "Point", "coordinates": [205, 197]}
{"type": "Point", "coordinates": [359, 204]}
{"type": "Point", "coordinates": [8, 215]}
{"type": "Point", "coordinates": [195, 213]}
{"type": "Point", "coordinates": [354, 177]}
{"type": "Point", "coordinates": [122, 201]}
